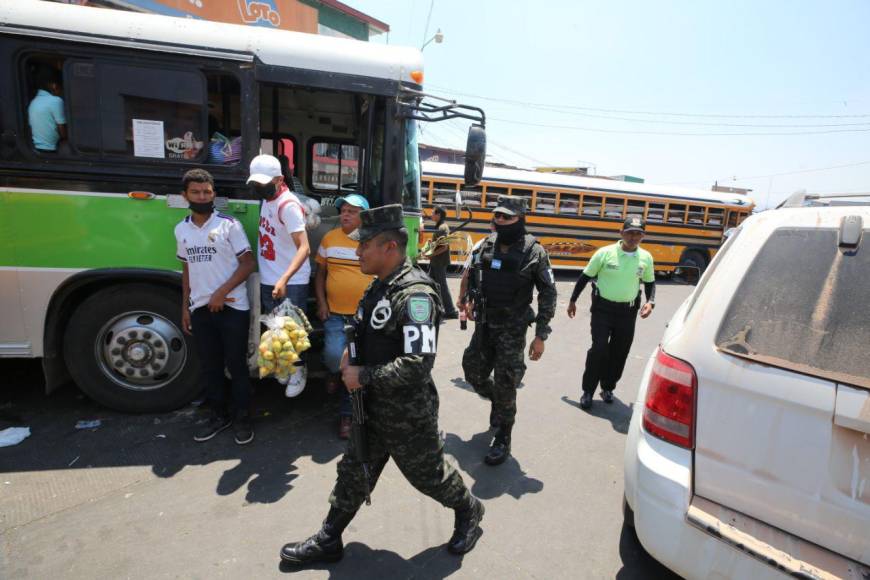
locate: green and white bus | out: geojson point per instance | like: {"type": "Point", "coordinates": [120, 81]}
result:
{"type": "Point", "coordinates": [88, 276]}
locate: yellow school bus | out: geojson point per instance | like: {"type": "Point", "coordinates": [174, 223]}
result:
{"type": "Point", "coordinates": [573, 216]}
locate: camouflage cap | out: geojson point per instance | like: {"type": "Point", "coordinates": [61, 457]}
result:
{"type": "Point", "coordinates": [510, 205]}
{"type": "Point", "coordinates": [377, 220]}
{"type": "Point", "coordinates": [633, 222]}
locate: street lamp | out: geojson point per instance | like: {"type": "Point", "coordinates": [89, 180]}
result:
{"type": "Point", "coordinates": [438, 38]}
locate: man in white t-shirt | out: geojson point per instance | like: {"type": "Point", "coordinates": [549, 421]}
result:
{"type": "Point", "coordinates": [217, 260]}
{"type": "Point", "coordinates": [283, 247]}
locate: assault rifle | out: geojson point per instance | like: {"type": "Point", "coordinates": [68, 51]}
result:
{"type": "Point", "coordinates": [358, 436]}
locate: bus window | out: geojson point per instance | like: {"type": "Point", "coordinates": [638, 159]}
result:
{"type": "Point", "coordinates": [656, 212]}
{"type": "Point", "coordinates": [545, 201]}
{"type": "Point", "coordinates": [636, 207]}
{"type": "Point", "coordinates": [569, 203]}
{"type": "Point", "coordinates": [592, 205]}
{"type": "Point", "coordinates": [525, 194]}
{"type": "Point", "coordinates": [471, 195]}
{"type": "Point", "coordinates": [225, 120]}
{"type": "Point", "coordinates": [715, 217]}
{"type": "Point", "coordinates": [334, 166]}
{"type": "Point", "coordinates": [492, 193]}
{"type": "Point", "coordinates": [46, 110]}
{"type": "Point", "coordinates": [426, 190]}
{"type": "Point", "coordinates": [696, 214]}
{"type": "Point", "coordinates": [676, 213]}
{"type": "Point", "coordinates": [614, 208]}
{"type": "Point", "coordinates": [443, 193]}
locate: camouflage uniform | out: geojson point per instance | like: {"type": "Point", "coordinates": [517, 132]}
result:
{"type": "Point", "coordinates": [498, 344]}
{"type": "Point", "coordinates": [397, 346]}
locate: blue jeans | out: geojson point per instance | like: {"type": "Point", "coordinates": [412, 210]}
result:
{"type": "Point", "coordinates": [296, 293]}
{"type": "Point", "coordinates": [333, 347]}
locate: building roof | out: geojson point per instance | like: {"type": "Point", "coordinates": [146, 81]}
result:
{"type": "Point", "coordinates": [342, 7]}
{"type": "Point", "coordinates": [555, 180]}
{"type": "Point", "coordinates": [206, 38]}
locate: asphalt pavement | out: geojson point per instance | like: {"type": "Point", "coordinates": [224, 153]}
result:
{"type": "Point", "coordinates": [136, 497]}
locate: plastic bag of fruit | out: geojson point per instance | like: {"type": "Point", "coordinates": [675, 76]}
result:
{"type": "Point", "coordinates": [282, 344]}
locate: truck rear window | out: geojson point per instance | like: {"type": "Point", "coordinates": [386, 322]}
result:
{"type": "Point", "coordinates": [802, 305]}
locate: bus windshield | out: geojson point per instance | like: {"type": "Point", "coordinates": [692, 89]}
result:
{"type": "Point", "coordinates": [411, 180]}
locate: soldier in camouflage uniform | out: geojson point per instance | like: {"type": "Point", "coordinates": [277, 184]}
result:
{"type": "Point", "coordinates": [505, 269]}
{"type": "Point", "coordinates": [393, 352]}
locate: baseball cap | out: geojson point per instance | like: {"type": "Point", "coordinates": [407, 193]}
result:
{"type": "Point", "coordinates": [377, 220]}
{"type": "Point", "coordinates": [353, 199]}
{"type": "Point", "coordinates": [510, 205]}
{"type": "Point", "coordinates": [264, 168]}
{"type": "Point", "coordinates": [633, 223]}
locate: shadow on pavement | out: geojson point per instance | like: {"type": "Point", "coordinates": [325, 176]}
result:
{"type": "Point", "coordinates": [360, 561]}
{"type": "Point", "coordinates": [286, 430]}
{"type": "Point", "coordinates": [618, 413]}
{"type": "Point", "coordinates": [490, 481]}
{"type": "Point", "coordinates": [636, 562]}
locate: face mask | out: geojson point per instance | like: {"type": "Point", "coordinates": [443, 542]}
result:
{"type": "Point", "coordinates": [508, 234]}
{"type": "Point", "coordinates": [264, 192]}
{"type": "Point", "coordinates": [201, 207]}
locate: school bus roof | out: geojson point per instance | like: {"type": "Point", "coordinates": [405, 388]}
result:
{"type": "Point", "coordinates": [211, 39]}
{"type": "Point", "coordinates": [604, 186]}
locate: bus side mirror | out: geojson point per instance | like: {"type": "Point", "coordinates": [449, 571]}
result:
{"type": "Point", "coordinates": [475, 155]}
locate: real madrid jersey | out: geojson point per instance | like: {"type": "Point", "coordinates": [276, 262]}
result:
{"type": "Point", "coordinates": [212, 253]}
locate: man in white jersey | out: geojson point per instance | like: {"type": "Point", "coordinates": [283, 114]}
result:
{"type": "Point", "coordinates": [283, 252]}
{"type": "Point", "coordinates": [217, 260]}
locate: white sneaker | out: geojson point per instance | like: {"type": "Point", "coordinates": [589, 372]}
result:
{"type": "Point", "coordinates": [297, 381]}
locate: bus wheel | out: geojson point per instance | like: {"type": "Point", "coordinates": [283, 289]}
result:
{"type": "Point", "coordinates": [125, 349]}
{"type": "Point", "coordinates": [694, 259]}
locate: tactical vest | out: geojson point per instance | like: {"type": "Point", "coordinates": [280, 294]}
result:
{"type": "Point", "coordinates": [503, 286]}
{"type": "Point", "coordinates": [385, 344]}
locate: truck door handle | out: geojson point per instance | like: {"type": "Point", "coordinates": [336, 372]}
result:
{"type": "Point", "coordinates": [852, 408]}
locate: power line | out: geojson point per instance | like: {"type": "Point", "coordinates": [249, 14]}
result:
{"type": "Point", "coordinates": [636, 112]}
{"type": "Point", "coordinates": [781, 174]}
{"type": "Point", "coordinates": [675, 133]}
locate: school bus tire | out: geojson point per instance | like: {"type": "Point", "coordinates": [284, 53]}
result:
{"type": "Point", "coordinates": [694, 259]}
{"type": "Point", "coordinates": [124, 348]}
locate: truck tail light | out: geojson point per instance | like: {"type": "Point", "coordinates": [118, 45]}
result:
{"type": "Point", "coordinates": [669, 409]}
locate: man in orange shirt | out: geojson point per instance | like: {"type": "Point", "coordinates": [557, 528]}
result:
{"type": "Point", "coordinates": [338, 286]}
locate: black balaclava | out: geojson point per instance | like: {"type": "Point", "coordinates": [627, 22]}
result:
{"type": "Point", "coordinates": [509, 234]}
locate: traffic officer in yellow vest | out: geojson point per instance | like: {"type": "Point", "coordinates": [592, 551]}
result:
{"type": "Point", "coordinates": [617, 271]}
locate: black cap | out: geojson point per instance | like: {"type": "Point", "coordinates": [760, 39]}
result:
{"type": "Point", "coordinates": [634, 223]}
{"type": "Point", "coordinates": [377, 220]}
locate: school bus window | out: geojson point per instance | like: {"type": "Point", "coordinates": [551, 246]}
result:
{"type": "Point", "coordinates": [656, 212]}
{"type": "Point", "coordinates": [569, 203]}
{"type": "Point", "coordinates": [676, 213]}
{"type": "Point", "coordinates": [492, 193]}
{"type": "Point", "coordinates": [696, 214]}
{"type": "Point", "coordinates": [45, 109]}
{"type": "Point", "coordinates": [592, 205]}
{"type": "Point", "coordinates": [426, 190]}
{"type": "Point", "coordinates": [545, 202]}
{"type": "Point", "coordinates": [732, 219]}
{"type": "Point", "coordinates": [636, 207]}
{"type": "Point", "coordinates": [715, 216]}
{"type": "Point", "coordinates": [334, 166]}
{"type": "Point", "coordinates": [444, 193]}
{"type": "Point", "coordinates": [614, 208]}
{"type": "Point", "coordinates": [471, 196]}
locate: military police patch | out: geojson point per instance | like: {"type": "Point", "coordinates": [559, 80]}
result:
{"type": "Point", "coordinates": [420, 308]}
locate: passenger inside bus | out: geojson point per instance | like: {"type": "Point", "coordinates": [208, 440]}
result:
{"type": "Point", "coordinates": [45, 114]}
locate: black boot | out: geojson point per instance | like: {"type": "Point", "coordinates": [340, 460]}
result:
{"type": "Point", "coordinates": [466, 529]}
{"type": "Point", "coordinates": [324, 546]}
{"type": "Point", "coordinates": [501, 446]}
{"type": "Point", "coordinates": [494, 419]}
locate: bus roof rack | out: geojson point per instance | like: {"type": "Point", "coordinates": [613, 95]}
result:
{"type": "Point", "coordinates": [806, 199]}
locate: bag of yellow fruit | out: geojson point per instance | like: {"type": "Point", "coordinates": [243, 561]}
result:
{"type": "Point", "coordinates": [281, 344]}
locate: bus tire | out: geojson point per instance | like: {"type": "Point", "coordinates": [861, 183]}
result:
{"type": "Point", "coordinates": [694, 259]}
{"type": "Point", "coordinates": [124, 348]}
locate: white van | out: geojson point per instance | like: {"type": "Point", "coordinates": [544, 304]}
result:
{"type": "Point", "coordinates": [748, 455]}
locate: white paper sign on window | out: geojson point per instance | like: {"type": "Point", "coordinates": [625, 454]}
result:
{"type": "Point", "coordinates": [148, 138]}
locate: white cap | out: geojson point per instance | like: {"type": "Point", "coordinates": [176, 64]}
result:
{"type": "Point", "coordinates": [264, 168]}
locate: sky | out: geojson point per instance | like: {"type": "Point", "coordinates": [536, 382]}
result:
{"type": "Point", "coordinates": [772, 95]}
